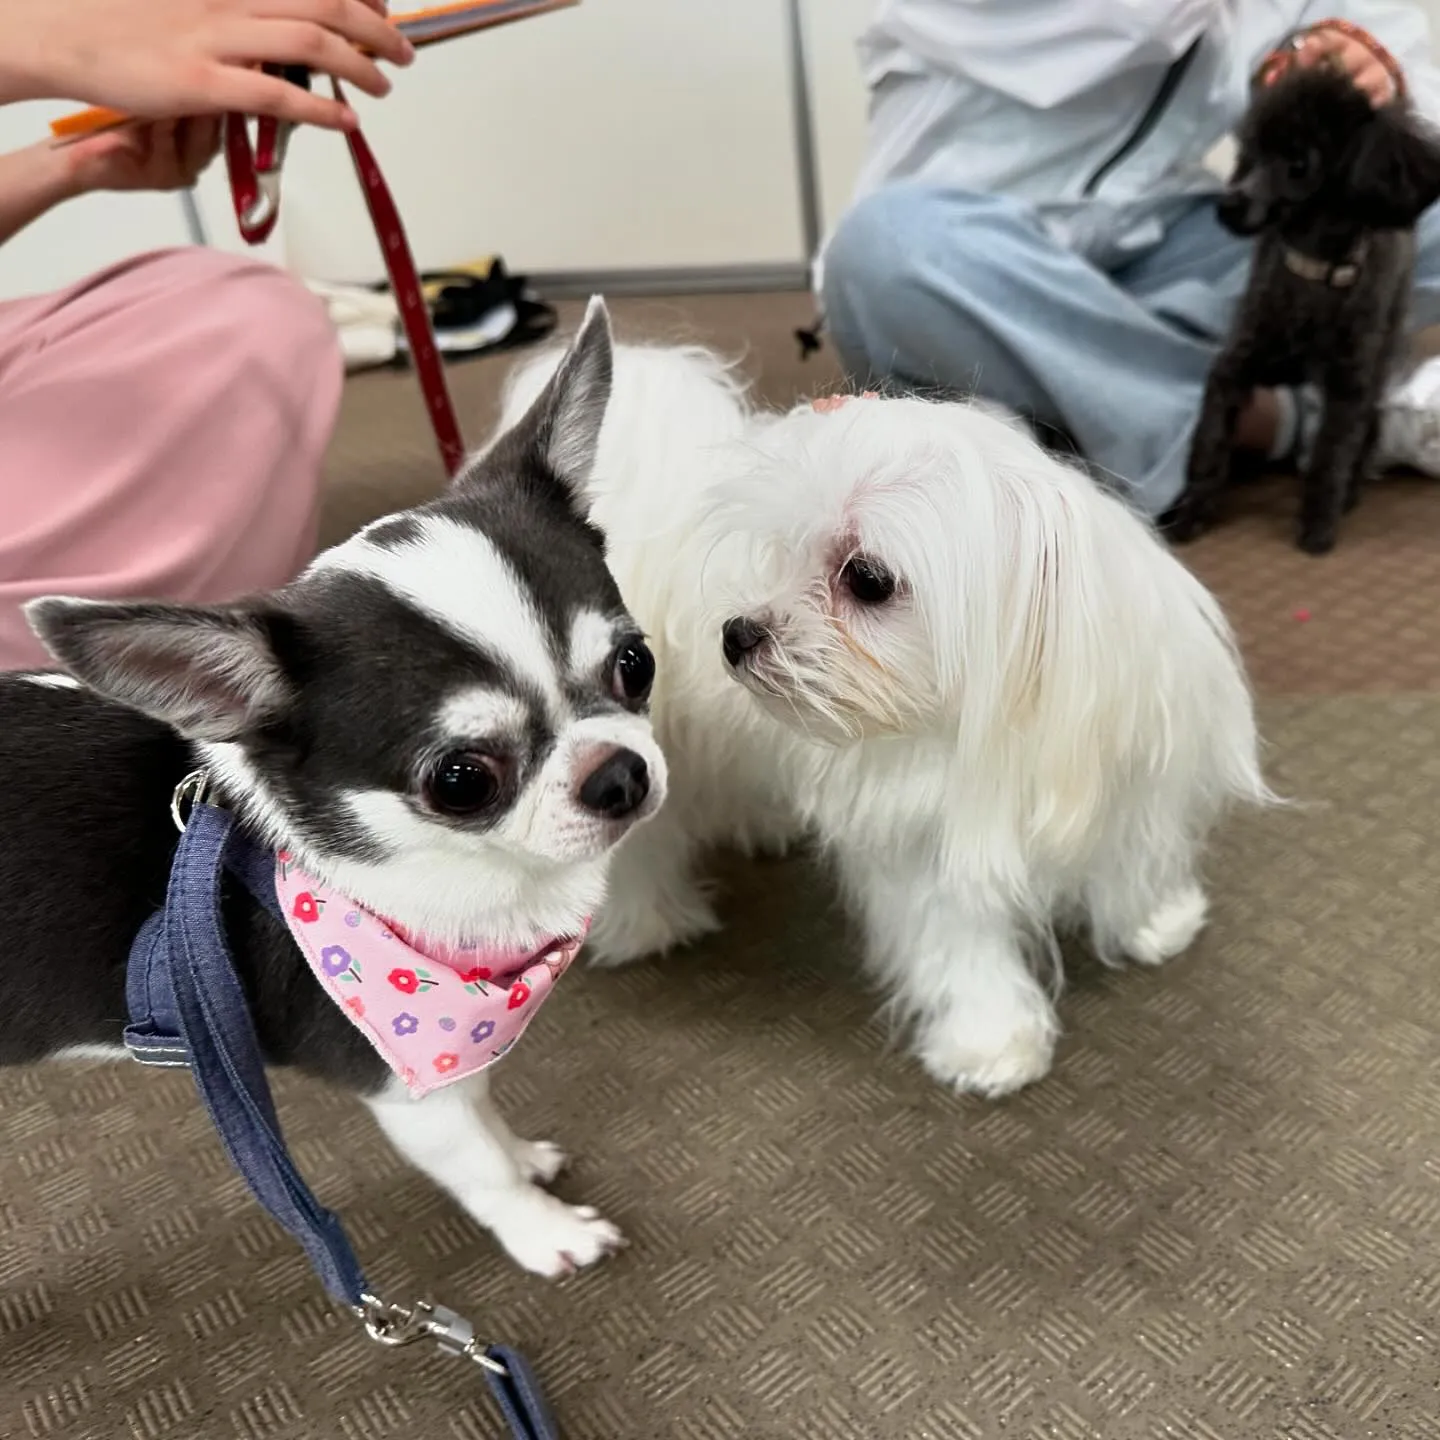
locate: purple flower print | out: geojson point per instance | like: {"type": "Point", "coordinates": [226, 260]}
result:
{"type": "Point", "coordinates": [446, 1023]}
{"type": "Point", "coordinates": [334, 960]}
{"type": "Point", "coordinates": [353, 919]}
{"type": "Point", "coordinates": [404, 1023]}
{"type": "Point", "coordinates": [483, 1031]}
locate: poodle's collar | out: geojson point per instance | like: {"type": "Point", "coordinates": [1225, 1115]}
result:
{"type": "Point", "coordinates": [1337, 274]}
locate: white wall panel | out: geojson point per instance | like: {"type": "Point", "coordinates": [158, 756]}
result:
{"type": "Point", "coordinates": [623, 134]}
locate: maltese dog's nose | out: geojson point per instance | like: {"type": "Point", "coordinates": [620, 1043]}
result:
{"type": "Point", "coordinates": [617, 787]}
{"type": "Point", "coordinates": [739, 637]}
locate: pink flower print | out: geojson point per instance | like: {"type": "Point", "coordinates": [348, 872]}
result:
{"type": "Point", "coordinates": [519, 994]}
{"type": "Point", "coordinates": [306, 908]}
{"type": "Point", "coordinates": [334, 960]}
{"type": "Point", "coordinates": [355, 1005]}
{"type": "Point", "coordinates": [446, 1063]}
{"type": "Point", "coordinates": [408, 982]}
{"type": "Point", "coordinates": [483, 1031]}
{"type": "Point", "coordinates": [474, 979]}
{"type": "Point", "coordinates": [405, 1023]}
{"type": "Point", "coordinates": [407, 1076]}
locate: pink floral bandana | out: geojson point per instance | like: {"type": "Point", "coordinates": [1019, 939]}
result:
{"type": "Point", "coordinates": [435, 1014]}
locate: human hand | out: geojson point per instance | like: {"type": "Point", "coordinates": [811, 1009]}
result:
{"type": "Point", "coordinates": [1368, 65]}
{"type": "Point", "coordinates": [168, 58]}
{"type": "Point", "coordinates": [157, 155]}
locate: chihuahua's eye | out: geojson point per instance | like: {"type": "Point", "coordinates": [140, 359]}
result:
{"type": "Point", "coordinates": [463, 783]}
{"type": "Point", "coordinates": [868, 580]}
{"type": "Point", "coordinates": [1299, 167]}
{"type": "Point", "coordinates": [634, 671]}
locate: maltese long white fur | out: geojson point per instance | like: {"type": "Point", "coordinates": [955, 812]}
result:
{"type": "Point", "coordinates": [904, 630]}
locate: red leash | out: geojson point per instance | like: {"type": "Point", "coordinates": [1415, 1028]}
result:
{"type": "Point", "coordinates": [255, 191]}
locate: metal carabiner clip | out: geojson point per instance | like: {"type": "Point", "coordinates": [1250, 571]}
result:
{"type": "Point", "coordinates": [271, 149]}
{"type": "Point", "coordinates": [396, 1325]}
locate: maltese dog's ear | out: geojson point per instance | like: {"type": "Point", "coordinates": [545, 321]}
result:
{"type": "Point", "coordinates": [555, 441]}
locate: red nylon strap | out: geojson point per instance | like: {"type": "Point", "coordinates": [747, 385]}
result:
{"type": "Point", "coordinates": [405, 286]}
{"type": "Point", "coordinates": [256, 218]}
{"type": "Point", "coordinates": [243, 164]}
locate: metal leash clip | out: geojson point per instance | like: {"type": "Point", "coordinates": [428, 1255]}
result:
{"type": "Point", "coordinates": [190, 792]}
{"type": "Point", "coordinates": [396, 1325]}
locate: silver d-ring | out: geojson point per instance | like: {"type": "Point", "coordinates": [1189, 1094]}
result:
{"type": "Point", "coordinates": [190, 792]}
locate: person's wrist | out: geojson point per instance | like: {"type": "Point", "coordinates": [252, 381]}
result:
{"type": "Point", "coordinates": [55, 173]}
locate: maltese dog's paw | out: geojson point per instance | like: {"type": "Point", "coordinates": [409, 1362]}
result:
{"type": "Point", "coordinates": [553, 1239]}
{"type": "Point", "coordinates": [632, 927]}
{"type": "Point", "coordinates": [1171, 929]}
{"type": "Point", "coordinates": [540, 1161]}
{"type": "Point", "coordinates": [990, 1060]}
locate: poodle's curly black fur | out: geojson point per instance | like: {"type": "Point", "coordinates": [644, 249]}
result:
{"type": "Point", "coordinates": [1332, 187]}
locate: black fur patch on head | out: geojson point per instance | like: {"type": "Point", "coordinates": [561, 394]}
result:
{"type": "Point", "coordinates": [394, 531]}
{"type": "Point", "coordinates": [370, 674]}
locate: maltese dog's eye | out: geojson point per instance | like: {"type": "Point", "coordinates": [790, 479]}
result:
{"type": "Point", "coordinates": [463, 783]}
{"type": "Point", "coordinates": [634, 671]}
{"type": "Point", "coordinates": [868, 580]}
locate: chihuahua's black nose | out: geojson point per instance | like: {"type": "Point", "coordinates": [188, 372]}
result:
{"type": "Point", "coordinates": [739, 637]}
{"type": "Point", "coordinates": [617, 786]}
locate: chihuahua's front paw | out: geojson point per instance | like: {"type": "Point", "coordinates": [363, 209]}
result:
{"type": "Point", "coordinates": [553, 1239]}
{"type": "Point", "coordinates": [540, 1161]}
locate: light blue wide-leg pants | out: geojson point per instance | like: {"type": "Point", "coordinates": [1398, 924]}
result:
{"type": "Point", "coordinates": [958, 291]}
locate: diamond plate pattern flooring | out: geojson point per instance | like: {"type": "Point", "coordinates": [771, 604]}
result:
{"type": "Point", "coordinates": [1216, 1220]}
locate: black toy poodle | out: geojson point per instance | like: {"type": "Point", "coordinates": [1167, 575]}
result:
{"type": "Point", "coordinates": [1332, 188]}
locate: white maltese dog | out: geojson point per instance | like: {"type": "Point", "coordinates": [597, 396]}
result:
{"type": "Point", "coordinates": [901, 628]}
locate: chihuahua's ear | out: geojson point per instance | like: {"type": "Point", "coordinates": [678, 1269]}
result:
{"type": "Point", "coordinates": [1392, 172]}
{"type": "Point", "coordinates": [559, 435]}
{"type": "Point", "coordinates": [209, 672]}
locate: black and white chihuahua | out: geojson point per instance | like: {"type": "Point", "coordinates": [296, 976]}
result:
{"type": "Point", "coordinates": [444, 717]}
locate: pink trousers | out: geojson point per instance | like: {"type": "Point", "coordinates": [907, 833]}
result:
{"type": "Point", "coordinates": [162, 430]}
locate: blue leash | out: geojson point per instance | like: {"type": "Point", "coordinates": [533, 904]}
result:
{"type": "Point", "coordinates": [187, 1008]}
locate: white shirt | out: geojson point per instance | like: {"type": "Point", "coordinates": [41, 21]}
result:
{"type": "Point", "coordinates": [1097, 111]}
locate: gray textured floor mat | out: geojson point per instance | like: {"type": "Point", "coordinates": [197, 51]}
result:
{"type": "Point", "coordinates": [1217, 1219]}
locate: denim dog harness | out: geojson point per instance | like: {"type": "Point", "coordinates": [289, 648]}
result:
{"type": "Point", "coordinates": [187, 1008]}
